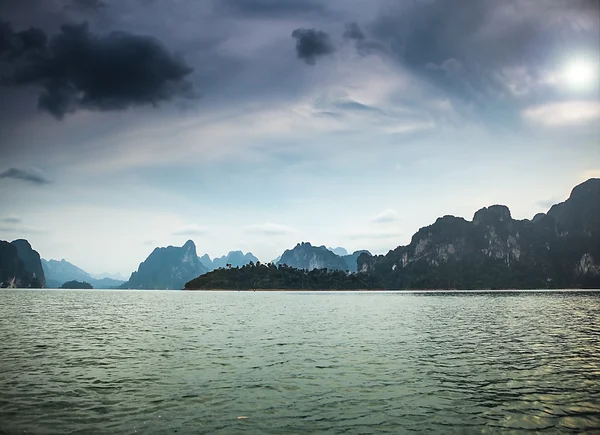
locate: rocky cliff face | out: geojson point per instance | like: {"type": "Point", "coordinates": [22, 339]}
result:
{"type": "Point", "coordinates": [32, 262]}
{"type": "Point", "coordinates": [306, 256]}
{"type": "Point", "coordinates": [351, 260]}
{"type": "Point", "coordinates": [167, 268]}
{"type": "Point", "coordinates": [20, 265]}
{"type": "Point", "coordinates": [558, 249]}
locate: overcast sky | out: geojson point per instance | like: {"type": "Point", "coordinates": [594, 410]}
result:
{"type": "Point", "coordinates": [256, 124]}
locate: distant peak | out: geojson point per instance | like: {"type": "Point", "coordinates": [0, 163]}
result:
{"type": "Point", "coordinates": [189, 244]}
{"type": "Point", "coordinates": [21, 242]}
{"type": "Point", "coordinates": [587, 187]}
{"type": "Point", "coordinates": [492, 213]}
{"type": "Point", "coordinates": [338, 251]}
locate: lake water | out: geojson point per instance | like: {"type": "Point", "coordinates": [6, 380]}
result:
{"type": "Point", "coordinates": [158, 362]}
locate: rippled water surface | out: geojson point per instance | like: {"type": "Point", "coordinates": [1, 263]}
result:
{"type": "Point", "coordinates": [121, 362]}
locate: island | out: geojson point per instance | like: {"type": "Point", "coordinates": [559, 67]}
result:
{"type": "Point", "coordinates": [257, 276]}
{"type": "Point", "coordinates": [77, 285]}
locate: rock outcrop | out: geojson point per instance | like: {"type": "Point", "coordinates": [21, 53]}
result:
{"type": "Point", "coordinates": [167, 268]}
{"type": "Point", "coordinates": [20, 265]}
{"type": "Point", "coordinates": [351, 260]}
{"type": "Point", "coordinates": [309, 257]}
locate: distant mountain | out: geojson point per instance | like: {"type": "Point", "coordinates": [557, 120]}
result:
{"type": "Point", "coordinates": [63, 271]}
{"type": "Point", "coordinates": [309, 257]}
{"type": "Point", "coordinates": [113, 276]}
{"type": "Point", "coordinates": [351, 260]}
{"type": "Point", "coordinates": [560, 249]}
{"type": "Point", "coordinates": [31, 262]}
{"type": "Point", "coordinates": [339, 251]}
{"type": "Point", "coordinates": [234, 258]}
{"type": "Point", "coordinates": [207, 262]}
{"type": "Point", "coordinates": [59, 272]}
{"type": "Point", "coordinates": [167, 268]}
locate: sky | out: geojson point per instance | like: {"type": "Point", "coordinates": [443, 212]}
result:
{"type": "Point", "coordinates": [256, 124]}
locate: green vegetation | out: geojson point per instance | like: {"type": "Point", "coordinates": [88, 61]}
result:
{"type": "Point", "coordinates": [77, 285]}
{"type": "Point", "coordinates": [270, 277]}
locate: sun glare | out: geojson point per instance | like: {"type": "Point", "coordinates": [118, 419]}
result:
{"type": "Point", "coordinates": [581, 74]}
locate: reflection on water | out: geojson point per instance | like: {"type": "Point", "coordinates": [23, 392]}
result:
{"type": "Point", "coordinates": [122, 362]}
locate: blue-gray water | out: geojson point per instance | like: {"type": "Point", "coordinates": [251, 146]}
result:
{"type": "Point", "coordinates": [121, 362]}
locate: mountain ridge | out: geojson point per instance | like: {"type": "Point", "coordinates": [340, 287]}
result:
{"type": "Point", "coordinates": [560, 248]}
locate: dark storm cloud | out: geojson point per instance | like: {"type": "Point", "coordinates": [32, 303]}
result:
{"type": "Point", "coordinates": [311, 43]}
{"type": "Point", "coordinates": [94, 5]}
{"type": "Point", "coordinates": [462, 44]}
{"type": "Point", "coordinates": [364, 45]}
{"type": "Point", "coordinates": [272, 8]}
{"type": "Point", "coordinates": [77, 69]}
{"type": "Point", "coordinates": [21, 174]}
{"type": "Point", "coordinates": [353, 32]}
{"type": "Point", "coordinates": [14, 44]}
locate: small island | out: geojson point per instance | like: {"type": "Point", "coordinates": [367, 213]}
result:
{"type": "Point", "coordinates": [271, 277]}
{"type": "Point", "coordinates": [81, 285]}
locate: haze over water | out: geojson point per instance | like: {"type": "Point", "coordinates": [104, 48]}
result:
{"type": "Point", "coordinates": [157, 362]}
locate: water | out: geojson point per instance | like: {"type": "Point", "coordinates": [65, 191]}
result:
{"type": "Point", "coordinates": [121, 362]}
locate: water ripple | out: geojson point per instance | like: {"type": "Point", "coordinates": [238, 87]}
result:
{"type": "Point", "coordinates": [121, 362]}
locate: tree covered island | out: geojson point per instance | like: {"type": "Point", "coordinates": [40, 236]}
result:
{"type": "Point", "coordinates": [257, 276]}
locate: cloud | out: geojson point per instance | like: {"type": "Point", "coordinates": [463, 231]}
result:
{"type": "Point", "coordinates": [77, 69]}
{"type": "Point", "coordinates": [562, 114]}
{"type": "Point", "coordinates": [462, 46]}
{"type": "Point", "coordinates": [271, 229]}
{"type": "Point", "coordinates": [14, 225]}
{"type": "Point", "coordinates": [311, 43]}
{"type": "Point", "coordinates": [191, 230]}
{"type": "Point", "coordinates": [30, 176]}
{"type": "Point", "coordinates": [375, 234]}
{"type": "Point", "coordinates": [13, 220]}
{"type": "Point", "coordinates": [94, 5]}
{"type": "Point", "coordinates": [353, 32]}
{"type": "Point", "coordinates": [356, 106]}
{"type": "Point", "coordinates": [385, 216]}
{"type": "Point", "coordinates": [14, 44]}
{"type": "Point", "coordinates": [272, 8]}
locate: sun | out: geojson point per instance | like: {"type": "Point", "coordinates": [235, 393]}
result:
{"type": "Point", "coordinates": [581, 74]}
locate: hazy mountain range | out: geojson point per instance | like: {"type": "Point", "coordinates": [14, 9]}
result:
{"type": "Point", "coordinates": [59, 272]}
{"type": "Point", "coordinates": [560, 248]}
